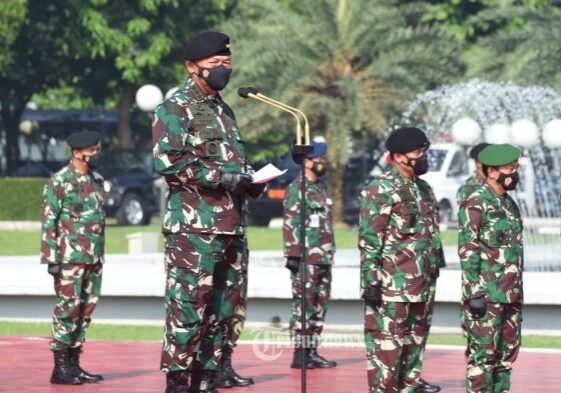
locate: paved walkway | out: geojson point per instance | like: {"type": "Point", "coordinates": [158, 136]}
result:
{"type": "Point", "coordinates": [26, 363]}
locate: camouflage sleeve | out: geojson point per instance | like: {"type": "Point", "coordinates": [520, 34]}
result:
{"type": "Point", "coordinates": [52, 206]}
{"type": "Point", "coordinates": [470, 221]}
{"type": "Point", "coordinates": [375, 209]}
{"type": "Point", "coordinates": [174, 150]}
{"type": "Point", "coordinates": [291, 221]}
{"type": "Point", "coordinates": [439, 252]}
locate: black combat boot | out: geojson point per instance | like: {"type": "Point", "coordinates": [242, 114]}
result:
{"type": "Point", "coordinates": [64, 373]}
{"type": "Point", "coordinates": [177, 382]}
{"type": "Point", "coordinates": [74, 359]}
{"type": "Point", "coordinates": [425, 387]}
{"type": "Point", "coordinates": [202, 381]}
{"type": "Point", "coordinates": [227, 376]}
{"type": "Point", "coordinates": [297, 358]}
{"type": "Point", "coordinates": [319, 361]}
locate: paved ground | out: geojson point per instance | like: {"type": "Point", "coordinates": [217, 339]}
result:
{"type": "Point", "coordinates": [26, 363]}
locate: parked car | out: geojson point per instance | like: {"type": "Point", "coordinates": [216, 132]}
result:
{"type": "Point", "coordinates": [129, 180]}
{"type": "Point", "coordinates": [43, 168]}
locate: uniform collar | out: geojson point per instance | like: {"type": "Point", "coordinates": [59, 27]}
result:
{"type": "Point", "coordinates": [399, 177]}
{"type": "Point", "coordinates": [190, 85]}
{"type": "Point", "coordinates": [74, 172]}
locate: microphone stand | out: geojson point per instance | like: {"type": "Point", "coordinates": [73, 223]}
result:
{"type": "Point", "coordinates": [300, 150]}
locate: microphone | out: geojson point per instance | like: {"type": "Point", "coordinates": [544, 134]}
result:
{"type": "Point", "coordinates": [244, 92]}
{"type": "Point", "coordinates": [252, 92]}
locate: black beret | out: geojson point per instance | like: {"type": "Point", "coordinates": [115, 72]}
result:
{"type": "Point", "coordinates": [82, 139]}
{"type": "Point", "coordinates": [207, 44]}
{"type": "Point", "coordinates": [474, 152]}
{"type": "Point", "coordinates": [406, 139]}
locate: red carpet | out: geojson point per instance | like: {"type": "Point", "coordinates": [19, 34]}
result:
{"type": "Point", "coordinates": [26, 364]}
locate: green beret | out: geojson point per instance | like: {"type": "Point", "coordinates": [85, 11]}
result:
{"type": "Point", "coordinates": [82, 139]}
{"type": "Point", "coordinates": [499, 155]}
{"type": "Point", "coordinates": [207, 44]}
{"type": "Point", "coordinates": [406, 139]}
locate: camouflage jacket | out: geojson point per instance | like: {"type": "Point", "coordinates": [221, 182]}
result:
{"type": "Point", "coordinates": [195, 139]}
{"type": "Point", "coordinates": [469, 186]}
{"type": "Point", "coordinates": [490, 247]}
{"type": "Point", "coordinates": [320, 241]}
{"type": "Point", "coordinates": [73, 221]}
{"type": "Point", "coordinates": [399, 238]}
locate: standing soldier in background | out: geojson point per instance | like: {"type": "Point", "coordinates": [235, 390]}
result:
{"type": "Point", "coordinates": [320, 246]}
{"type": "Point", "coordinates": [72, 244]}
{"type": "Point", "coordinates": [201, 154]}
{"type": "Point", "coordinates": [491, 256]}
{"type": "Point", "coordinates": [398, 239]}
{"type": "Point", "coordinates": [474, 181]}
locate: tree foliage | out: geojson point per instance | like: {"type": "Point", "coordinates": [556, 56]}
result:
{"type": "Point", "coordinates": [347, 64]}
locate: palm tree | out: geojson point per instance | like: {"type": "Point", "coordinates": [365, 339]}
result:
{"type": "Point", "coordinates": [346, 63]}
{"type": "Point", "coordinates": [528, 52]}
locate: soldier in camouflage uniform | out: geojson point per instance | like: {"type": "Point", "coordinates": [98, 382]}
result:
{"type": "Point", "coordinates": [400, 254]}
{"type": "Point", "coordinates": [491, 256]}
{"type": "Point", "coordinates": [201, 154]}
{"type": "Point", "coordinates": [72, 244]}
{"type": "Point", "coordinates": [474, 181]}
{"type": "Point", "coordinates": [320, 248]}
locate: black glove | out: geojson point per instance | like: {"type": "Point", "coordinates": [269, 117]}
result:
{"type": "Point", "coordinates": [256, 189]}
{"type": "Point", "coordinates": [477, 306]}
{"type": "Point", "coordinates": [235, 182]}
{"type": "Point", "coordinates": [293, 264]}
{"type": "Point", "coordinates": [372, 294]}
{"type": "Point", "coordinates": [54, 269]}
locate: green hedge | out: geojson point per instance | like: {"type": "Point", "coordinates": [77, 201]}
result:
{"type": "Point", "coordinates": [21, 198]}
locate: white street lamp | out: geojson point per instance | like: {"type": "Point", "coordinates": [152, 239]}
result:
{"type": "Point", "coordinates": [466, 131]}
{"type": "Point", "coordinates": [497, 133]}
{"type": "Point", "coordinates": [552, 134]}
{"type": "Point", "coordinates": [525, 133]}
{"type": "Point", "coordinates": [148, 97]}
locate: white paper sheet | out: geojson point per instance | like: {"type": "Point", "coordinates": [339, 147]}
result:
{"type": "Point", "coordinates": [268, 172]}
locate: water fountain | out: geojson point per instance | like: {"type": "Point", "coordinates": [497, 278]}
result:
{"type": "Point", "coordinates": [476, 111]}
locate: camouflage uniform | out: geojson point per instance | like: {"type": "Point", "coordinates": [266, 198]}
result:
{"type": "Point", "coordinates": [400, 246]}
{"type": "Point", "coordinates": [491, 255]}
{"type": "Point", "coordinates": [196, 139]}
{"type": "Point", "coordinates": [320, 248]}
{"type": "Point", "coordinates": [472, 183]}
{"type": "Point", "coordinates": [466, 189]}
{"type": "Point", "coordinates": [72, 235]}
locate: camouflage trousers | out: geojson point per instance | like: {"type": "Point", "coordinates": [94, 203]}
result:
{"type": "Point", "coordinates": [236, 323]}
{"type": "Point", "coordinates": [494, 344]}
{"type": "Point", "coordinates": [429, 310]}
{"type": "Point", "coordinates": [318, 292]}
{"type": "Point", "coordinates": [205, 273]}
{"type": "Point", "coordinates": [394, 335]}
{"type": "Point", "coordinates": [77, 290]}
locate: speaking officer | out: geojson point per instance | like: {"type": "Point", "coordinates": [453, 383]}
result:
{"type": "Point", "coordinates": [198, 149]}
{"type": "Point", "coordinates": [399, 246]}
{"type": "Point", "coordinates": [491, 256]}
{"type": "Point", "coordinates": [72, 244]}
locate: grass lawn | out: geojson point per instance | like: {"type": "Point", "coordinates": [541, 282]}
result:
{"type": "Point", "coordinates": [260, 238]}
{"type": "Point", "coordinates": [154, 333]}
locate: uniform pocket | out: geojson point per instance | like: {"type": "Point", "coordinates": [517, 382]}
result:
{"type": "Point", "coordinates": [407, 217]}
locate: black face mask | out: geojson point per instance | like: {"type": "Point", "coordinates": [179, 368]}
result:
{"type": "Point", "coordinates": [319, 169]}
{"type": "Point", "coordinates": [218, 77]}
{"type": "Point", "coordinates": [421, 165]}
{"type": "Point", "coordinates": [93, 161]}
{"type": "Point", "coordinates": [509, 182]}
